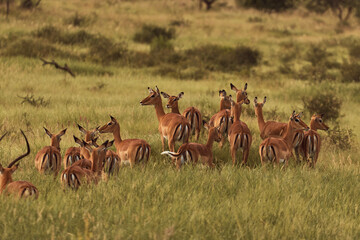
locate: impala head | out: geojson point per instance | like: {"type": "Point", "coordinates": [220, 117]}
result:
{"type": "Point", "coordinates": [153, 98]}
{"type": "Point", "coordinates": [236, 108]}
{"type": "Point", "coordinates": [172, 100]}
{"type": "Point", "coordinates": [318, 123]}
{"type": "Point", "coordinates": [296, 122]}
{"type": "Point", "coordinates": [55, 138]}
{"type": "Point", "coordinates": [224, 100]}
{"type": "Point", "coordinates": [258, 106]}
{"type": "Point", "coordinates": [5, 173]}
{"type": "Point", "coordinates": [89, 135]}
{"type": "Point", "coordinates": [85, 148]}
{"type": "Point", "coordinates": [110, 126]}
{"type": "Point", "coordinates": [99, 153]}
{"type": "Point", "coordinates": [214, 132]}
{"type": "Point", "coordinates": [241, 94]}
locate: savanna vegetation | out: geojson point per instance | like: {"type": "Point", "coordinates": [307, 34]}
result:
{"type": "Point", "coordinates": [299, 59]}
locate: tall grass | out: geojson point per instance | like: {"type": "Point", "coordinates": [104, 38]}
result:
{"type": "Point", "coordinates": [157, 201]}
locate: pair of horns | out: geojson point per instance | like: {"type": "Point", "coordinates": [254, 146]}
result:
{"type": "Point", "coordinates": [21, 156]}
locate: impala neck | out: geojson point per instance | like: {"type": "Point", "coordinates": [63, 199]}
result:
{"type": "Point", "coordinates": [96, 164]}
{"type": "Point", "coordinates": [210, 141]}
{"type": "Point", "coordinates": [5, 180]}
{"type": "Point", "coordinates": [55, 144]}
{"type": "Point", "coordinates": [289, 134]}
{"type": "Point", "coordinates": [175, 108]}
{"type": "Point", "coordinates": [313, 124]}
{"type": "Point", "coordinates": [237, 113]}
{"type": "Point", "coordinates": [85, 153]}
{"type": "Point", "coordinates": [116, 134]}
{"type": "Point", "coordinates": [159, 110]}
{"type": "Point", "coordinates": [260, 118]}
{"type": "Point", "coordinates": [222, 104]}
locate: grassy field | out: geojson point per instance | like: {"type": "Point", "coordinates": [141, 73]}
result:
{"type": "Point", "coordinates": [159, 202]}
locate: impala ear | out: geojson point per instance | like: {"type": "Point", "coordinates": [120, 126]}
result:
{"type": "Point", "coordinates": [87, 146]}
{"type": "Point", "coordinates": [245, 87]}
{"type": "Point", "coordinates": [1, 169]}
{"type": "Point", "coordinates": [181, 95]}
{"type": "Point", "coordinates": [255, 101]}
{"type": "Point", "coordinates": [14, 168]}
{"type": "Point", "coordinates": [157, 90]}
{"type": "Point", "coordinates": [322, 115]}
{"type": "Point", "coordinates": [233, 87]}
{"type": "Point", "coordinates": [48, 132]}
{"type": "Point", "coordinates": [264, 101]}
{"type": "Point", "coordinates": [206, 125]}
{"type": "Point", "coordinates": [110, 143]}
{"type": "Point", "coordinates": [300, 115]}
{"type": "Point", "coordinates": [81, 129]}
{"type": "Point", "coordinates": [113, 119]}
{"type": "Point", "coordinates": [165, 95]}
{"type": "Point", "coordinates": [93, 142]}
{"type": "Point", "coordinates": [150, 90]}
{"type": "Point", "coordinates": [62, 133]}
{"type": "Point", "coordinates": [78, 141]}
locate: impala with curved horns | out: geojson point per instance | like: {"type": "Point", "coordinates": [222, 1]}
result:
{"type": "Point", "coordinates": [193, 152]}
{"type": "Point", "coordinates": [130, 151]}
{"type": "Point", "coordinates": [48, 159]}
{"type": "Point", "coordinates": [192, 114]}
{"type": "Point", "coordinates": [17, 188]}
{"type": "Point", "coordinates": [278, 149]}
{"type": "Point", "coordinates": [72, 154]}
{"type": "Point", "coordinates": [74, 176]}
{"type": "Point", "coordinates": [172, 126]}
{"type": "Point", "coordinates": [310, 146]}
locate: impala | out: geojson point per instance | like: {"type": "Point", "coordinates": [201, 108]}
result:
{"type": "Point", "coordinates": [278, 149]}
{"type": "Point", "coordinates": [74, 176]}
{"type": "Point", "coordinates": [193, 152]}
{"type": "Point", "coordinates": [192, 114]}
{"type": "Point", "coordinates": [72, 154]}
{"type": "Point", "coordinates": [241, 94]}
{"type": "Point", "coordinates": [112, 161]}
{"type": "Point", "coordinates": [130, 151]}
{"type": "Point", "coordinates": [49, 157]}
{"type": "Point", "coordinates": [19, 188]}
{"type": "Point", "coordinates": [310, 147]}
{"type": "Point", "coordinates": [239, 134]}
{"type": "Point", "coordinates": [172, 126]}
{"type": "Point", "coordinates": [222, 119]}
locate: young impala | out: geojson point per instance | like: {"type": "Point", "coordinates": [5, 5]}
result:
{"type": "Point", "coordinates": [130, 151]}
{"type": "Point", "coordinates": [192, 114]}
{"type": "Point", "coordinates": [172, 126]}
{"type": "Point", "coordinates": [72, 154]}
{"type": "Point", "coordinates": [239, 134]}
{"type": "Point", "coordinates": [241, 94]}
{"type": "Point", "coordinates": [74, 176]}
{"type": "Point", "coordinates": [193, 152]}
{"type": "Point", "coordinates": [49, 157]}
{"type": "Point", "coordinates": [17, 188]}
{"type": "Point", "coordinates": [310, 146]}
{"type": "Point", "coordinates": [278, 149]}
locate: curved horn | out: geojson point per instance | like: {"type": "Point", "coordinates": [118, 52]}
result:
{"type": "Point", "coordinates": [3, 136]}
{"type": "Point", "coordinates": [24, 155]}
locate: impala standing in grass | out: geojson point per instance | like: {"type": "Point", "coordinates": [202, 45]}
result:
{"type": "Point", "coordinates": [192, 114]}
{"type": "Point", "coordinates": [48, 159]}
{"type": "Point", "coordinates": [172, 126]}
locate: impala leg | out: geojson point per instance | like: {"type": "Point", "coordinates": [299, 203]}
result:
{"type": "Point", "coordinates": [162, 143]}
{"type": "Point", "coordinates": [222, 141]}
{"type": "Point", "coordinates": [233, 155]}
{"type": "Point", "coordinates": [297, 155]}
{"type": "Point", "coordinates": [197, 134]}
{"type": "Point", "coordinates": [245, 156]}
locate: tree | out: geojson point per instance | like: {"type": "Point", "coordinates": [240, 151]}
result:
{"type": "Point", "coordinates": [208, 3]}
{"type": "Point", "coordinates": [268, 5]}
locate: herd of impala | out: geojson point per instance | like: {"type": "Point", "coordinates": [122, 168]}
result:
{"type": "Point", "coordinates": [90, 162]}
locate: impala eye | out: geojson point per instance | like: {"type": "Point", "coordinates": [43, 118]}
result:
{"type": "Point", "coordinates": [320, 120]}
{"type": "Point", "coordinates": [109, 124]}
{"type": "Point", "coordinates": [297, 120]}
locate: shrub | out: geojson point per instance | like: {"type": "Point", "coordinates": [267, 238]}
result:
{"type": "Point", "coordinates": [104, 51]}
{"type": "Point", "coordinates": [327, 103]}
{"type": "Point", "coordinates": [354, 51]}
{"type": "Point", "coordinates": [162, 45]}
{"type": "Point", "coordinates": [267, 5]}
{"type": "Point", "coordinates": [317, 55]}
{"type": "Point", "coordinates": [149, 32]}
{"type": "Point", "coordinates": [350, 72]}
{"type": "Point", "coordinates": [77, 20]}
{"type": "Point", "coordinates": [29, 4]}
{"type": "Point", "coordinates": [35, 102]}
{"type": "Point", "coordinates": [341, 137]}
{"type": "Point", "coordinates": [30, 48]}
{"type": "Point", "coordinates": [172, 71]}
{"type": "Point", "coordinates": [219, 58]}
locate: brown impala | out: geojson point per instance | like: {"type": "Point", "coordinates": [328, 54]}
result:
{"type": "Point", "coordinates": [172, 126]}
{"type": "Point", "coordinates": [192, 114]}
{"type": "Point", "coordinates": [18, 188]}
{"type": "Point", "coordinates": [49, 157]}
{"type": "Point", "coordinates": [278, 149]}
{"type": "Point", "coordinates": [194, 152]}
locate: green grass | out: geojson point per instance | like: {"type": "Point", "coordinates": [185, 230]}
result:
{"type": "Point", "coordinates": [158, 202]}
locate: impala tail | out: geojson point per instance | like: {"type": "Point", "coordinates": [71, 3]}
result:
{"type": "Point", "coordinates": [182, 153]}
{"type": "Point", "coordinates": [143, 153]}
{"type": "Point", "coordinates": [241, 140]}
{"type": "Point", "coordinates": [29, 191]}
{"type": "Point", "coordinates": [50, 160]}
{"type": "Point", "coordinates": [182, 132]}
{"type": "Point", "coordinates": [71, 178]}
{"type": "Point", "coordinates": [194, 118]}
{"type": "Point", "coordinates": [267, 151]}
{"type": "Point", "coordinates": [225, 124]}
{"type": "Point", "coordinates": [311, 143]}
{"type": "Point", "coordinates": [111, 163]}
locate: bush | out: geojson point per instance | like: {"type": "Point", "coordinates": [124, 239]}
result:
{"type": "Point", "coordinates": [350, 72]}
{"type": "Point", "coordinates": [77, 20]}
{"type": "Point", "coordinates": [172, 71]}
{"type": "Point", "coordinates": [341, 137]}
{"type": "Point", "coordinates": [104, 51]}
{"type": "Point", "coordinates": [29, 4]}
{"type": "Point", "coordinates": [317, 55]}
{"type": "Point", "coordinates": [327, 103]}
{"type": "Point", "coordinates": [267, 5]}
{"type": "Point", "coordinates": [354, 51]}
{"type": "Point", "coordinates": [219, 58]}
{"type": "Point", "coordinates": [161, 45]}
{"type": "Point", "coordinates": [149, 32]}
{"type": "Point", "coordinates": [33, 49]}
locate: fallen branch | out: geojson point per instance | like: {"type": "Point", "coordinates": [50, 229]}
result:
{"type": "Point", "coordinates": [56, 65]}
